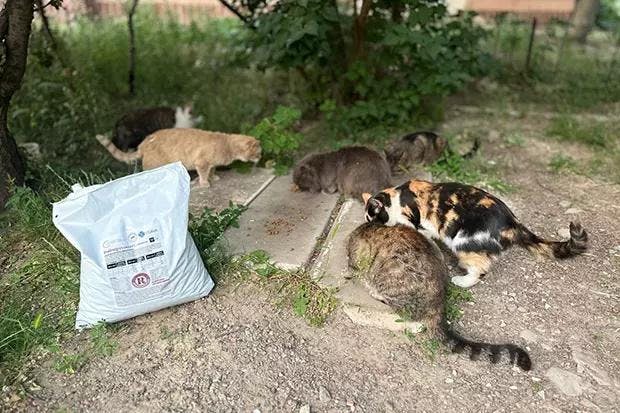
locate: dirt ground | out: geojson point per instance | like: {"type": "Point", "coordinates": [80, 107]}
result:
{"type": "Point", "coordinates": [237, 351]}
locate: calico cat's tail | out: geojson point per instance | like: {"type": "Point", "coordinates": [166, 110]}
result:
{"type": "Point", "coordinates": [576, 244]}
{"type": "Point", "coordinates": [127, 157]}
{"type": "Point", "coordinates": [495, 353]}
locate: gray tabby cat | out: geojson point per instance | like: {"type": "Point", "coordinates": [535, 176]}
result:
{"type": "Point", "coordinates": [404, 270]}
{"type": "Point", "coordinates": [351, 171]}
{"type": "Point", "coordinates": [131, 129]}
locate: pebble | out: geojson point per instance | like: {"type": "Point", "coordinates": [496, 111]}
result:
{"type": "Point", "coordinates": [449, 380]}
{"type": "Point", "coordinates": [304, 409]}
{"type": "Point", "coordinates": [573, 211]}
{"type": "Point", "coordinates": [565, 204]}
{"type": "Point", "coordinates": [530, 337]}
{"type": "Point", "coordinates": [324, 395]}
{"type": "Point", "coordinates": [565, 381]}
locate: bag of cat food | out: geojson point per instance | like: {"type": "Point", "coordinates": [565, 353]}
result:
{"type": "Point", "coordinates": [137, 254]}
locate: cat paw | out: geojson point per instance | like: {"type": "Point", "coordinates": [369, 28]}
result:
{"type": "Point", "coordinates": [203, 184]}
{"type": "Point", "coordinates": [465, 281]}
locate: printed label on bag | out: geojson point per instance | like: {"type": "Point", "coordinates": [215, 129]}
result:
{"type": "Point", "coordinates": [136, 267]}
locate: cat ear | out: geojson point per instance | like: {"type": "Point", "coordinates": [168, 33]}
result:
{"type": "Point", "coordinates": [366, 196]}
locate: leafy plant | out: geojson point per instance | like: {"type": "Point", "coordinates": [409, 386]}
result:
{"type": "Point", "coordinates": [386, 61]}
{"type": "Point", "coordinates": [209, 226]}
{"type": "Point", "coordinates": [278, 141]}
{"type": "Point", "coordinates": [561, 162]}
{"type": "Point", "coordinates": [569, 128]}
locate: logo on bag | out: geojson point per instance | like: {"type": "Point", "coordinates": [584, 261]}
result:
{"type": "Point", "coordinates": [132, 237]}
{"type": "Point", "coordinates": [141, 280]}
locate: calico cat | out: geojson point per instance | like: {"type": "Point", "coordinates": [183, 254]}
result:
{"type": "Point", "coordinates": [419, 148]}
{"type": "Point", "coordinates": [350, 171]}
{"type": "Point", "coordinates": [197, 149]}
{"type": "Point", "coordinates": [404, 270]}
{"type": "Point", "coordinates": [134, 126]}
{"type": "Point", "coordinates": [474, 224]}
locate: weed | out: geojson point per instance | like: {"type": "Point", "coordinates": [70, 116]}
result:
{"type": "Point", "coordinates": [278, 141]}
{"type": "Point", "coordinates": [31, 213]}
{"type": "Point", "coordinates": [455, 296]}
{"type": "Point", "coordinates": [101, 340]}
{"type": "Point", "coordinates": [209, 226]}
{"type": "Point", "coordinates": [295, 289]}
{"type": "Point", "coordinates": [515, 140]}
{"type": "Point", "coordinates": [70, 363]}
{"type": "Point", "coordinates": [561, 162]}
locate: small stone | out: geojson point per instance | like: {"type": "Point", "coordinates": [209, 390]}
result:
{"type": "Point", "coordinates": [573, 211]}
{"type": "Point", "coordinates": [304, 409]}
{"type": "Point", "coordinates": [565, 204]}
{"type": "Point", "coordinates": [564, 233]}
{"type": "Point", "coordinates": [541, 394]}
{"type": "Point", "coordinates": [324, 395]}
{"type": "Point", "coordinates": [513, 387]}
{"type": "Point", "coordinates": [547, 306]}
{"type": "Point", "coordinates": [565, 381]}
{"type": "Point", "coordinates": [535, 379]}
{"type": "Point", "coordinates": [529, 336]}
{"type": "Point", "coordinates": [256, 411]}
{"type": "Point", "coordinates": [449, 380]}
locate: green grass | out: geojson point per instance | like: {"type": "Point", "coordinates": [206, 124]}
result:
{"type": "Point", "coordinates": [455, 297]}
{"type": "Point", "coordinates": [567, 128]}
{"type": "Point", "coordinates": [296, 290]}
{"type": "Point", "coordinates": [561, 163]}
{"type": "Point", "coordinates": [453, 167]}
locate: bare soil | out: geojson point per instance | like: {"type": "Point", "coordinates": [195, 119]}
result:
{"type": "Point", "coordinates": [237, 351]}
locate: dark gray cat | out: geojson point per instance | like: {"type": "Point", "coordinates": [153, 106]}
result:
{"type": "Point", "coordinates": [131, 129]}
{"type": "Point", "coordinates": [350, 171]}
{"type": "Point", "coordinates": [403, 269]}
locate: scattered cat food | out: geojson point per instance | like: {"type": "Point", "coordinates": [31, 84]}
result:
{"type": "Point", "coordinates": [279, 225]}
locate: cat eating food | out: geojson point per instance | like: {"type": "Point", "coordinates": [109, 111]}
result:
{"type": "Point", "coordinates": [406, 271]}
{"type": "Point", "coordinates": [474, 224]}
{"type": "Point", "coordinates": [350, 171]}
{"type": "Point", "coordinates": [419, 148]}
{"type": "Point", "coordinates": [134, 126]}
{"type": "Point", "coordinates": [197, 149]}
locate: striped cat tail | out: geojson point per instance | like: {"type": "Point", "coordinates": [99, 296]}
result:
{"type": "Point", "coordinates": [495, 353]}
{"type": "Point", "coordinates": [575, 245]}
{"type": "Point", "coordinates": [127, 157]}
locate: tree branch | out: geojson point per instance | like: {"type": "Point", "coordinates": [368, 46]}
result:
{"type": "Point", "coordinates": [4, 23]}
{"type": "Point", "coordinates": [237, 13]}
{"type": "Point", "coordinates": [132, 49]}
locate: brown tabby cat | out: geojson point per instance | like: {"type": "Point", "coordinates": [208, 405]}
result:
{"type": "Point", "coordinates": [134, 126]}
{"type": "Point", "coordinates": [474, 224]}
{"type": "Point", "coordinates": [419, 148]}
{"type": "Point", "coordinates": [197, 149]}
{"type": "Point", "coordinates": [350, 171]}
{"type": "Point", "coordinates": [403, 269]}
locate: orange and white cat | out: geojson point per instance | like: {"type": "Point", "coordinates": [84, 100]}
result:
{"type": "Point", "coordinates": [197, 149]}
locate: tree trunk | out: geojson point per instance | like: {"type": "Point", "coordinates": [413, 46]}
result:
{"type": "Point", "coordinates": [583, 19]}
{"type": "Point", "coordinates": [15, 25]}
{"type": "Point", "coordinates": [132, 49]}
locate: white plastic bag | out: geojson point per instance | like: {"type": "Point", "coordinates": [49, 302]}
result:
{"type": "Point", "coordinates": [137, 254]}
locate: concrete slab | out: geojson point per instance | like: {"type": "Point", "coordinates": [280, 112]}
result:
{"type": "Point", "coordinates": [284, 223]}
{"type": "Point", "coordinates": [232, 186]}
{"type": "Point", "coordinates": [331, 266]}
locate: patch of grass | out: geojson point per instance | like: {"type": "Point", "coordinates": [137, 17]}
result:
{"type": "Point", "coordinates": [455, 296]}
{"type": "Point", "coordinates": [567, 128]}
{"type": "Point", "coordinates": [101, 340]}
{"type": "Point", "coordinates": [294, 289]}
{"type": "Point", "coordinates": [453, 167]}
{"type": "Point", "coordinates": [70, 363]}
{"type": "Point", "coordinates": [561, 163]}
